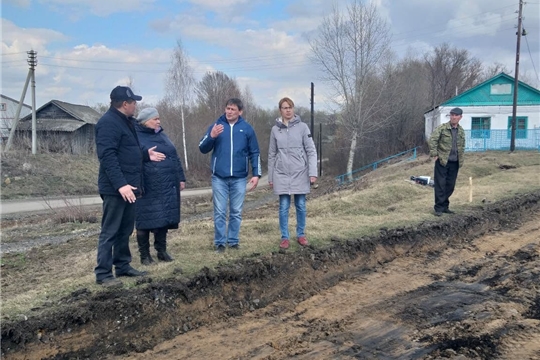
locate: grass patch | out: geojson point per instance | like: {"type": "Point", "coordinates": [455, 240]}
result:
{"type": "Point", "coordinates": [26, 175]}
{"type": "Point", "coordinates": [386, 200]}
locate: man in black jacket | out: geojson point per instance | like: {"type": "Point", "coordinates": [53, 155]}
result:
{"type": "Point", "coordinates": [120, 183]}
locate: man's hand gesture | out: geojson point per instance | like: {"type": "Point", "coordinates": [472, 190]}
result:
{"type": "Point", "coordinates": [216, 130]}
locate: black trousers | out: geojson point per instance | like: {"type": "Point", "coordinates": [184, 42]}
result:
{"type": "Point", "coordinates": [113, 245]}
{"type": "Point", "coordinates": [160, 240]}
{"type": "Point", "coordinates": [445, 182]}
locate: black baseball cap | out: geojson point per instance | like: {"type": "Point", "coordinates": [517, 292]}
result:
{"type": "Point", "coordinates": [124, 93]}
{"type": "Point", "coordinates": [456, 111]}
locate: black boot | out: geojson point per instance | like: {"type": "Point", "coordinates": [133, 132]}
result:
{"type": "Point", "coordinates": [143, 240]}
{"type": "Point", "coordinates": [160, 244]}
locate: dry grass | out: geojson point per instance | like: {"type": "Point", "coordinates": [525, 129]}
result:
{"type": "Point", "coordinates": [26, 175]}
{"type": "Point", "coordinates": [46, 274]}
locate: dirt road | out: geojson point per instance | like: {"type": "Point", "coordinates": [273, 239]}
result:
{"type": "Point", "coordinates": [479, 300]}
{"type": "Point", "coordinates": [463, 287]}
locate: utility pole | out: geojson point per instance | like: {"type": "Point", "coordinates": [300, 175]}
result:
{"type": "Point", "coordinates": [312, 108]}
{"type": "Point", "coordinates": [320, 149]}
{"type": "Point", "coordinates": [32, 61]}
{"type": "Point", "coordinates": [516, 74]}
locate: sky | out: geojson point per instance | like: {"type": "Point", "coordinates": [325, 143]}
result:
{"type": "Point", "coordinates": [87, 47]}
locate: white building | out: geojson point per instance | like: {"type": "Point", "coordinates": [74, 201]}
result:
{"type": "Point", "coordinates": [487, 115]}
{"type": "Point", "coordinates": [8, 108]}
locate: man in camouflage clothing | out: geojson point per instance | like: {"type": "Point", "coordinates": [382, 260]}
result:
{"type": "Point", "coordinates": [447, 145]}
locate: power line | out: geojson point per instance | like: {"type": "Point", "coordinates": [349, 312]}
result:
{"type": "Point", "coordinates": [258, 59]}
{"type": "Point", "coordinates": [12, 61]}
{"type": "Point", "coordinates": [256, 65]}
{"type": "Point", "coordinates": [532, 61]}
{"type": "Point", "coordinates": [162, 71]}
{"type": "Point", "coordinates": [251, 63]}
{"type": "Point", "coordinates": [15, 53]}
{"type": "Point", "coordinates": [527, 42]}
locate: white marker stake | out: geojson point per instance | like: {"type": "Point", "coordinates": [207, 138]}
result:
{"type": "Point", "coordinates": [470, 189]}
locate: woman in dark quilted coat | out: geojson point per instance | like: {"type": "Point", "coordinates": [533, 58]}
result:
{"type": "Point", "coordinates": [159, 208]}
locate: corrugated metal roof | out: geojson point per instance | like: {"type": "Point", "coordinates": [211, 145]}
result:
{"type": "Point", "coordinates": [482, 94]}
{"type": "Point", "coordinates": [80, 112]}
{"type": "Point", "coordinates": [66, 125]}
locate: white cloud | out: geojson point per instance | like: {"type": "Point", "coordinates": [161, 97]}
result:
{"type": "Point", "coordinates": [477, 23]}
{"type": "Point", "coordinates": [83, 74]}
{"type": "Point", "coordinates": [249, 41]}
{"type": "Point", "coordinates": [79, 8]}
{"type": "Point", "coordinates": [269, 54]}
{"type": "Point", "coordinates": [311, 8]}
{"type": "Point", "coordinates": [217, 5]}
{"type": "Point", "coordinates": [383, 8]}
{"type": "Point", "coordinates": [16, 39]}
{"type": "Point", "coordinates": [301, 23]}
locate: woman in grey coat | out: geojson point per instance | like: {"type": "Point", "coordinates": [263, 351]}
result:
{"type": "Point", "coordinates": [292, 168]}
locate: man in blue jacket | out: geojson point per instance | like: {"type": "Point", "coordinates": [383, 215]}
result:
{"type": "Point", "coordinates": [120, 182]}
{"type": "Point", "coordinates": [234, 145]}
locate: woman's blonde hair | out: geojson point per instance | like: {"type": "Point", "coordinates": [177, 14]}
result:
{"type": "Point", "coordinates": [287, 100]}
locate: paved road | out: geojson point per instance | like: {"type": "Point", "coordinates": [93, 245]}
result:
{"type": "Point", "coordinates": [21, 206]}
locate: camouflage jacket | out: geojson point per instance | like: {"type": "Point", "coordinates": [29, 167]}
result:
{"type": "Point", "coordinates": [440, 143]}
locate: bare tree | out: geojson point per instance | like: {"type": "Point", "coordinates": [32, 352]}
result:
{"type": "Point", "coordinates": [494, 69]}
{"type": "Point", "coordinates": [179, 85]}
{"type": "Point", "coordinates": [349, 47]}
{"type": "Point", "coordinates": [451, 71]}
{"type": "Point", "coordinates": [249, 104]}
{"type": "Point", "coordinates": [411, 101]}
{"type": "Point", "coordinates": [214, 90]}
{"type": "Point", "coordinates": [130, 83]}
{"type": "Point", "coordinates": [101, 108]}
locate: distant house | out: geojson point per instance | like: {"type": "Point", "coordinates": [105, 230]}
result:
{"type": "Point", "coordinates": [8, 108]}
{"type": "Point", "coordinates": [487, 114]}
{"type": "Point", "coordinates": [62, 127]}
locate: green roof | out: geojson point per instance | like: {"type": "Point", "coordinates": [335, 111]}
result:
{"type": "Point", "coordinates": [482, 94]}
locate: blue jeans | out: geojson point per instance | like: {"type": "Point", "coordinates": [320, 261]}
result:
{"type": "Point", "coordinates": [300, 204]}
{"type": "Point", "coordinates": [231, 191]}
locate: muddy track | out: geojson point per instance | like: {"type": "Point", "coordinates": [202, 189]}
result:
{"type": "Point", "coordinates": [87, 325]}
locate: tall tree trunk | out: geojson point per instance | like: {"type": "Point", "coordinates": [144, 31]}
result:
{"type": "Point", "coordinates": [184, 137]}
{"type": "Point", "coordinates": [352, 151]}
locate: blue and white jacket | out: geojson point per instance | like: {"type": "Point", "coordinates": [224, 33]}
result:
{"type": "Point", "coordinates": [233, 149]}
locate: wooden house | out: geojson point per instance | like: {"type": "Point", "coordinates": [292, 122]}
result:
{"type": "Point", "coordinates": [62, 127]}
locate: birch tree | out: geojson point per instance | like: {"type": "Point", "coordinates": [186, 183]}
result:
{"type": "Point", "coordinates": [349, 48]}
{"type": "Point", "coordinates": [179, 86]}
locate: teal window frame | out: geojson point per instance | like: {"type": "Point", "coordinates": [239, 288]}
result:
{"type": "Point", "coordinates": [521, 131]}
{"type": "Point", "coordinates": [481, 127]}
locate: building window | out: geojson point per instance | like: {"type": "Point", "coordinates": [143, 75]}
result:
{"type": "Point", "coordinates": [481, 127]}
{"type": "Point", "coordinates": [501, 89]}
{"type": "Point", "coordinates": [521, 127]}
{"type": "Point", "coordinates": [3, 106]}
